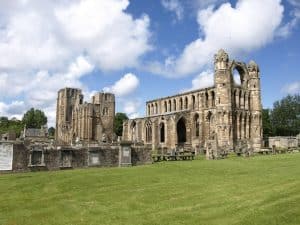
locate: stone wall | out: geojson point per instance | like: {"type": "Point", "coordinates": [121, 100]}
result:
{"type": "Point", "coordinates": [140, 155]}
{"type": "Point", "coordinates": [284, 142]}
{"type": "Point", "coordinates": [20, 158]}
{"type": "Point", "coordinates": [37, 157]}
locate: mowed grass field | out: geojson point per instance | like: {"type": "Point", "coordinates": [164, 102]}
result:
{"type": "Point", "coordinates": [259, 190]}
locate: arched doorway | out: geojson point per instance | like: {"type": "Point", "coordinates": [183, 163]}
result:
{"type": "Point", "coordinates": [181, 131]}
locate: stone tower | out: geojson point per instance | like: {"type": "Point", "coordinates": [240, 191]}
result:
{"type": "Point", "coordinates": [223, 87]}
{"type": "Point", "coordinates": [81, 121]}
{"type": "Point", "coordinates": [255, 104]}
{"type": "Point", "coordinates": [67, 99]}
{"type": "Point", "coordinates": [106, 101]}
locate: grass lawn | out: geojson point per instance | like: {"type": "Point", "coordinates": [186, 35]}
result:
{"type": "Point", "coordinates": [262, 190]}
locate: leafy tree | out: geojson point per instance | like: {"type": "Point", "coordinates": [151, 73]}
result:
{"type": "Point", "coordinates": [34, 118]}
{"type": "Point", "coordinates": [7, 125]}
{"type": "Point", "coordinates": [118, 125]}
{"type": "Point", "coordinates": [267, 125]}
{"type": "Point", "coordinates": [3, 119]}
{"type": "Point", "coordinates": [51, 131]}
{"type": "Point", "coordinates": [285, 116]}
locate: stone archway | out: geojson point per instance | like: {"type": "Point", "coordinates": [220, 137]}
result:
{"type": "Point", "coordinates": [181, 131]}
{"type": "Point", "coordinates": [239, 73]}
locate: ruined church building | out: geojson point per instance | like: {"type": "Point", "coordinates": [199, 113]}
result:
{"type": "Point", "coordinates": [229, 113]}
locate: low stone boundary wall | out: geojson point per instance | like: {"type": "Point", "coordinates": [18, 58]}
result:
{"type": "Point", "coordinates": [19, 157]}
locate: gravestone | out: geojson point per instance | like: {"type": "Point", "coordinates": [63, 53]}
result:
{"type": "Point", "coordinates": [94, 159]}
{"type": "Point", "coordinates": [125, 154]}
{"type": "Point", "coordinates": [66, 159]}
{"type": "Point", "coordinates": [6, 156]}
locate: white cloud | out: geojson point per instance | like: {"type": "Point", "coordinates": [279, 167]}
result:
{"type": "Point", "coordinates": [111, 37]}
{"type": "Point", "coordinates": [125, 86]}
{"type": "Point", "coordinates": [295, 3]}
{"type": "Point", "coordinates": [292, 88]}
{"type": "Point", "coordinates": [47, 35]}
{"type": "Point", "coordinates": [52, 44]}
{"type": "Point", "coordinates": [200, 4]}
{"type": "Point", "coordinates": [131, 108]}
{"type": "Point", "coordinates": [203, 80]}
{"type": "Point", "coordinates": [246, 27]}
{"type": "Point", "coordinates": [14, 109]}
{"type": "Point", "coordinates": [41, 88]}
{"type": "Point", "coordinates": [80, 67]}
{"type": "Point", "coordinates": [174, 6]}
{"type": "Point", "coordinates": [286, 29]}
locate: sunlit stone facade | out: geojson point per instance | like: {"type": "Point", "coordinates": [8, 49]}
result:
{"type": "Point", "coordinates": [81, 121]}
{"type": "Point", "coordinates": [227, 112]}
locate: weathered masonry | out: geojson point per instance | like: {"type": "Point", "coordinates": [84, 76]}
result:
{"type": "Point", "coordinates": [81, 121]}
{"type": "Point", "coordinates": [22, 156]}
{"type": "Point", "coordinates": [228, 113]}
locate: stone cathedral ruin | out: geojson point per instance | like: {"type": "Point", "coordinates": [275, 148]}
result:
{"type": "Point", "coordinates": [226, 117]}
{"type": "Point", "coordinates": [81, 121]}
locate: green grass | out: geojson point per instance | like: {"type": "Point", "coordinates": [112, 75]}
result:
{"type": "Point", "coordinates": [259, 190]}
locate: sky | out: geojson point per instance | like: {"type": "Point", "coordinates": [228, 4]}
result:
{"type": "Point", "coordinates": [140, 49]}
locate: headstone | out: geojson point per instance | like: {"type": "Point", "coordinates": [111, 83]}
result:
{"type": "Point", "coordinates": [6, 156]}
{"type": "Point", "coordinates": [66, 159]}
{"type": "Point", "coordinates": [125, 154]}
{"type": "Point", "coordinates": [94, 159]}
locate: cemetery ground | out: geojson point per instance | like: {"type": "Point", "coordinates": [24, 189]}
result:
{"type": "Point", "coordinates": [257, 190]}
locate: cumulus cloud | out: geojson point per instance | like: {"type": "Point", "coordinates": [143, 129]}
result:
{"type": "Point", "coordinates": [200, 4]}
{"type": "Point", "coordinates": [52, 44]}
{"type": "Point", "coordinates": [111, 37]}
{"type": "Point", "coordinates": [286, 29]}
{"type": "Point", "coordinates": [41, 88]}
{"type": "Point", "coordinates": [131, 108]}
{"type": "Point", "coordinates": [14, 109]}
{"type": "Point", "coordinates": [295, 3]}
{"type": "Point", "coordinates": [48, 35]}
{"type": "Point", "coordinates": [174, 6]}
{"type": "Point", "coordinates": [203, 80]}
{"type": "Point", "coordinates": [292, 88]}
{"type": "Point", "coordinates": [125, 86]}
{"type": "Point", "coordinates": [248, 26]}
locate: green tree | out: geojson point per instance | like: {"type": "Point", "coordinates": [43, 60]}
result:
{"type": "Point", "coordinates": [285, 116]}
{"type": "Point", "coordinates": [118, 125]}
{"type": "Point", "coordinates": [267, 125]}
{"type": "Point", "coordinates": [34, 118]}
{"type": "Point", "coordinates": [10, 125]}
{"type": "Point", "coordinates": [51, 131]}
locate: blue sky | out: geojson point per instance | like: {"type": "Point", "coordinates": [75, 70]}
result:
{"type": "Point", "coordinates": [140, 49]}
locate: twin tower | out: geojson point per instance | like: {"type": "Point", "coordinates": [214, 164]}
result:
{"type": "Point", "coordinates": [79, 121]}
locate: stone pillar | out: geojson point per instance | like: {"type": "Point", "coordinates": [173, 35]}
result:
{"type": "Point", "coordinates": [238, 133]}
{"type": "Point", "coordinates": [237, 100]}
{"type": "Point", "coordinates": [242, 104]}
